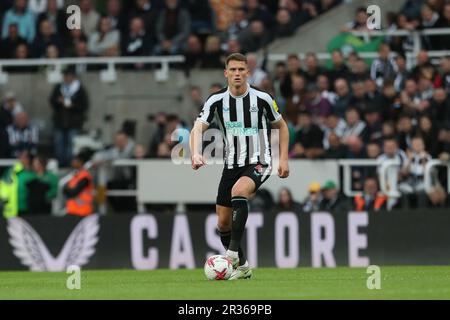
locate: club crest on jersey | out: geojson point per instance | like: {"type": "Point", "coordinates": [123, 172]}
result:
{"type": "Point", "coordinates": [258, 170]}
{"type": "Point", "coordinates": [226, 109]}
{"type": "Point", "coordinates": [254, 108]}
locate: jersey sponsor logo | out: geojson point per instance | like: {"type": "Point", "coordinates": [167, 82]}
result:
{"type": "Point", "coordinates": [236, 128]}
{"type": "Point", "coordinates": [275, 106]}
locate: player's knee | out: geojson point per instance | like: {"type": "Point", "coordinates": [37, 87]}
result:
{"type": "Point", "coordinates": [240, 191]}
{"type": "Point", "coordinates": [224, 225]}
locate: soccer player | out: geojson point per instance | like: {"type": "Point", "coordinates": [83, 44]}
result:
{"type": "Point", "coordinates": [245, 116]}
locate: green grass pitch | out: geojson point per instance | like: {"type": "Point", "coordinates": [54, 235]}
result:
{"type": "Point", "coordinates": [432, 282]}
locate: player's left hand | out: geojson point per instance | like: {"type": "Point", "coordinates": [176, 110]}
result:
{"type": "Point", "coordinates": [283, 169]}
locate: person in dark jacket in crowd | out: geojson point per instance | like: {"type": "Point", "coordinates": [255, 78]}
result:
{"type": "Point", "coordinates": [332, 199]}
{"type": "Point", "coordinates": [286, 202]}
{"type": "Point", "coordinates": [70, 103]}
{"type": "Point", "coordinates": [42, 187]}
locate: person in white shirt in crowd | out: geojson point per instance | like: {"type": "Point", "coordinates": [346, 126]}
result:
{"type": "Point", "coordinates": [414, 186]}
{"type": "Point", "coordinates": [40, 6]}
{"type": "Point", "coordinates": [257, 74]}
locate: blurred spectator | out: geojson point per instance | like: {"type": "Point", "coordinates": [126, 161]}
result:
{"type": "Point", "coordinates": [373, 150]}
{"type": "Point", "coordinates": [5, 150]}
{"type": "Point", "coordinates": [439, 109]}
{"type": "Point", "coordinates": [308, 141]}
{"type": "Point", "coordinates": [148, 11]}
{"type": "Point", "coordinates": [137, 42]}
{"type": "Point", "coordinates": [313, 70]}
{"type": "Point", "coordinates": [24, 19]}
{"type": "Point", "coordinates": [323, 85]}
{"type": "Point", "coordinates": [338, 69]}
{"type": "Point", "coordinates": [53, 12]}
{"type": "Point", "coordinates": [79, 191]}
{"type": "Point", "coordinates": [430, 19]}
{"type": "Point", "coordinates": [359, 71]}
{"type": "Point", "coordinates": [70, 103]}
{"type": "Point", "coordinates": [201, 16]}
{"type": "Point", "coordinates": [333, 124]}
{"type": "Point", "coordinates": [116, 16]}
{"type": "Point", "coordinates": [194, 52]}
{"type": "Point", "coordinates": [359, 98]}
{"type": "Point", "coordinates": [314, 198]}
{"type": "Point", "coordinates": [213, 56]}
{"type": "Point", "coordinates": [74, 37]}
{"type": "Point", "coordinates": [429, 134]}
{"type": "Point", "coordinates": [9, 43]}
{"type": "Point", "coordinates": [294, 68]}
{"type": "Point", "coordinates": [402, 73]}
{"type": "Point", "coordinates": [355, 126]}
{"type": "Point", "coordinates": [9, 109]}
{"type": "Point", "coordinates": [262, 201]}
{"type": "Point", "coordinates": [105, 38]}
{"type": "Point", "coordinates": [296, 101]}
{"type": "Point", "coordinates": [360, 22]}
{"type": "Point", "coordinates": [40, 6]}
{"type": "Point", "coordinates": [405, 131]}
{"type": "Point", "coordinates": [45, 37]}
{"type": "Point", "coordinates": [383, 68]}
{"type": "Point", "coordinates": [42, 188]}
{"type": "Point", "coordinates": [257, 74]}
{"type": "Point", "coordinates": [196, 102]}
{"type": "Point", "coordinates": [373, 125]}
{"type": "Point", "coordinates": [90, 18]}
{"type": "Point", "coordinates": [172, 28]}
{"type": "Point", "coordinates": [238, 24]}
{"type": "Point", "coordinates": [343, 97]}
{"type": "Point", "coordinates": [22, 135]}
{"type": "Point", "coordinates": [445, 67]}
{"type": "Point", "coordinates": [286, 202]}
{"type": "Point", "coordinates": [233, 46]}
{"type": "Point", "coordinates": [413, 187]}
{"type": "Point", "coordinates": [335, 148]}
{"type": "Point", "coordinates": [254, 37]}
{"type": "Point", "coordinates": [332, 199]}
{"type": "Point", "coordinates": [13, 193]}
{"type": "Point", "coordinates": [355, 148]}
{"type": "Point", "coordinates": [318, 106]}
{"type": "Point", "coordinates": [257, 11]}
{"type": "Point", "coordinates": [370, 199]}
{"type": "Point", "coordinates": [285, 26]}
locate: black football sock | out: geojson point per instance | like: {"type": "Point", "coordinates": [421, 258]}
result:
{"type": "Point", "coordinates": [239, 219]}
{"type": "Point", "coordinates": [225, 237]}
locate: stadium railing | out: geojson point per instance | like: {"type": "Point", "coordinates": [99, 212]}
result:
{"type": "Point", "coordinates": [387, 173]}
{"type": "Point", "coordinates": [54, 75]}
{"type": "Point", "coordinates": [410, 56]}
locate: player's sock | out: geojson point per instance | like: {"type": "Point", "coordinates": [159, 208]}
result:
{"type": "Point", "coordinates": [225, 237]}
{"type": "Point", "coordinates": [240, 215]}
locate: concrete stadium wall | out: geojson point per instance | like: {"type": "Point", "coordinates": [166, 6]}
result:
{"type": "Point", "coordinates": [315, 35]}
{"type": "Point", "coordinates": [134, 96]}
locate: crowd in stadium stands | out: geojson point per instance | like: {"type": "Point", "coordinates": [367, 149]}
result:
{"type": "Point", "coordinates": [352, 108]}
{"type": "Point", "coordinates": [204, 31]}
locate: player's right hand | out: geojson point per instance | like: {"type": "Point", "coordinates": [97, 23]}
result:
{"type": "Point", "coordinates": [197, 161]}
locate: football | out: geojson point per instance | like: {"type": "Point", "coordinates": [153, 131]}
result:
{"type": "Point", "coordinates": [218, 267]}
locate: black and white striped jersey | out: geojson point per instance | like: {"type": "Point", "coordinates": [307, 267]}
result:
{"type": "Point", "coordinates": [245, 124]}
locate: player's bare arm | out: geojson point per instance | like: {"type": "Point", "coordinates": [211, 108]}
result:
{"type": "Point", "coordinates": [195, 144]}
{"type": "Point", "coordinates": [283, 168]}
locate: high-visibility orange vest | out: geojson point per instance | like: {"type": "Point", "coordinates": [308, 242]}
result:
{"type": "Point", "coordinates": [83, 204]}
{"type": "Point", "coordinates": [360, 202]}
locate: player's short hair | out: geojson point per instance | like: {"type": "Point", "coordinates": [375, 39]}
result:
{"type": "Point", "coordinates": [235, 57]}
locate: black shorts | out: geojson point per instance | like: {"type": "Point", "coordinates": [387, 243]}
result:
{"type": "Point", "coordinates": [259, 173]}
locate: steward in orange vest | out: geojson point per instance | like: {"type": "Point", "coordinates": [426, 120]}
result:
{"type": "Point", "coordinates": [370, 199]}
{"type": "Point", "coordinates": [374, 204]}
{"type": "Point", "coordinates": [79, 191]}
